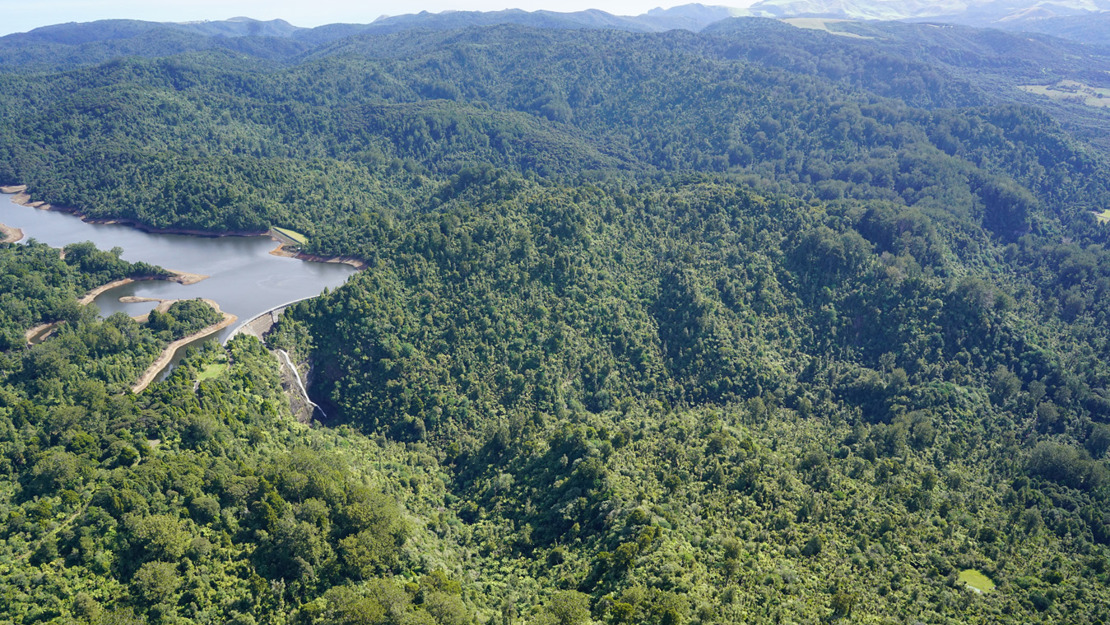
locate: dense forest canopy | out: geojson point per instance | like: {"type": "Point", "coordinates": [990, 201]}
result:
{"type": "Point", "coordinates": [756, 324]}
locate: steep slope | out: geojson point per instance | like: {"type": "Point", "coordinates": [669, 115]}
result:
{"type": "Point", "coordinates": [756, 324]}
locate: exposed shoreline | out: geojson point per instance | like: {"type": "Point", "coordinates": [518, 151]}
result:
{"type": "Point", "coordinates": [21, 197]}
{"type": "Point", "coordinates": [180, 277]}
{"type": "Point", "coordinates": [41, 332]}
{"type": "Point", "coordinates": [167, 354]}
{"type": "Point", "coordinates": [10, 234]}
{"type": "Point", "coordinates": [283, 249]}
{"type": "Point", "coordinates": [163, 305]}
{"type": "Point", "coordinates": [44, 330]}
{"type": "Point", "coordinates": [357, 263]}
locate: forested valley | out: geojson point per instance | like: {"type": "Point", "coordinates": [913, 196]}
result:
{"type": "Point", "coordinates": [757, 324]}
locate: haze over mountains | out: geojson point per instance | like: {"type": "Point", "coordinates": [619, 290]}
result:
{"type": "Point", "coordinates": [972, 12]}
{"type": "Point", "coordinates": [997, 66]}
{"type": "Point", "coordinates": [678, 319]}
{"type": "Point", "coordinates": [1081, 20]}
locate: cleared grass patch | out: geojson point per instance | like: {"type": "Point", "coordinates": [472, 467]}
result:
{"type": "Point", "coordinates": [1103, 217]}
{"type": "Point", "coordinates": [292, 235]}
{"type": "Point", "coordinates": [976, 581]}
{"type": "Point", "coordinates": [211, 371]}
{"type": "Point", "coordinates": [1072, 91]}
{"type": "Point", "coordinates": [820, 23]}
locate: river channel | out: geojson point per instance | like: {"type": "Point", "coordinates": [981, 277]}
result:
{"type": "Point", "coordinates": [243, 277]}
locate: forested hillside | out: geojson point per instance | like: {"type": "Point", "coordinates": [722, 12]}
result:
{"type": "Point", "coordinates": [757, 324]}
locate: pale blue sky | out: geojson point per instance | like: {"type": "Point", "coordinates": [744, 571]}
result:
{"type": "Point", "coordinates": [24, 15]}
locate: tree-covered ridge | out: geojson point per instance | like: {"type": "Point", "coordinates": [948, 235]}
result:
{"type": "Point", "coordinates": [858, 490]}
{"type": "Point", "coordinates": [931, 65]}
{"type": "Point", "coordinates": [41, 286]}
{"type": "Point", "coordinates": [665, 328]}
{"type": "Point", "coordinates": [66, 46]}
{"type": "Point", "coordinates": [200, 500]}
{"type": "Point", "coordinates": [615, 375]}
{"type": "Point", "coordinates": [377, 124]}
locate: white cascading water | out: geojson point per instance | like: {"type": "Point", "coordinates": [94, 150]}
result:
{"type": "Point", "coordinates": [297, 374]}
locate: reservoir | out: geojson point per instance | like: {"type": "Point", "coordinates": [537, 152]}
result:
{"type": "Point", "coordinates": [244, 278]}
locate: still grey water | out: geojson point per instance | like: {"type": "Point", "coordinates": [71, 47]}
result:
{"type": "Point", "coordinates": [244, 278]}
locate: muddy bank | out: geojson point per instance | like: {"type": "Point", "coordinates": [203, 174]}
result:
{"type": "Point", "coordinates": [183, 277]}
{"type": "Point", "coordinates": [10, 235]}
{"type": "Point", "coordinates": [166, 357]}
{"type": "Point", "coordinates": [288, 251]}
{"type": "Point", "coordinates": [163, 305]}
{"type": "Point", "coordinates": [41, 332]}
{"type": "Point", "coordinates": [180, 277]}
{"type": "Point", "coordinates": [357, 263]}
{"type": "Point", "coordinates": [91, 295]}
{"type": "Point", "coordinates": [284, 250]}
{"type": "Point", "coordinates": [134, 299]}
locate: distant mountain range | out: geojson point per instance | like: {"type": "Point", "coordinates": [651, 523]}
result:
{"type": "Point", "coordinates": [1081, 20]}
{"type": "Point", "coordinates": [1086, 21]}
{"type": "Point", "coordinates": [969, 12]}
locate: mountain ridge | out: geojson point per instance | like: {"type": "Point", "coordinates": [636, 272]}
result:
{"type": "Point", "coordinates": [1079, 20]}
{"type": "Point", "coordinates": [748, 325]}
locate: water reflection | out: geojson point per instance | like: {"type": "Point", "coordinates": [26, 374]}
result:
{"type": "Point", "coordinates": [244, 278]}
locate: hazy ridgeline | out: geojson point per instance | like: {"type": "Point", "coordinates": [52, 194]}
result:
{"type": "Point", "coordinates": [754, 324]}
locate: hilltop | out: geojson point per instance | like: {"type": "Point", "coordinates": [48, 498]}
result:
{"type": "Point", "coordinates": [734, 321]}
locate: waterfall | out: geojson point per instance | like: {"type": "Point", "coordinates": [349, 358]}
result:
{"type": "Point", "coordinates": [300, 384]}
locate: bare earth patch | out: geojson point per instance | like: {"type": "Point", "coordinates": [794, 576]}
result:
{"type": "Point", "coordinates": [41, 332]}
{"type": "Point", "coordinates": [9, 234]}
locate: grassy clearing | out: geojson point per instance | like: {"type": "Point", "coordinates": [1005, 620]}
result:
{"type": "Point", "coordinates": [1072, 91]}
{"type": "Point", "coordinates": [976, 581]}
{"type": "Point", "coordinates": [1102, 217]}
{"type": "Point", "coordinates": [293, 235]}
{"type": "Point", "coordinates": [212, 371]}
{"type": "Point", "coordinates": [820, 23]}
